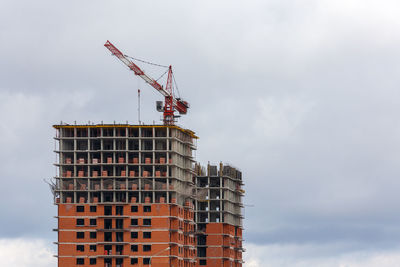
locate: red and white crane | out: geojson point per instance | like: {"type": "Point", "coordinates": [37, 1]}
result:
{"type": "Point", "coordinates": [171, 103]}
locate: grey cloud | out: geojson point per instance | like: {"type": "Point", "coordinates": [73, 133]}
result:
{"type": "Point", "coordinates": [301, 95]}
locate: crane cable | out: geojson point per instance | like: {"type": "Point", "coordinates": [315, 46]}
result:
{"type": "Point", "coordinates": [150, 63]}
{"type": "Point", "coordinates": [158, 65]}
{"type": "Point", "coordinates": [176, 85]}
{"type": "Point", "coordinates": [162, 75]}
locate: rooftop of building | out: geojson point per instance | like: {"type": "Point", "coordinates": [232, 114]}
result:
{"type": "Point", "coordinates": [121, 125]}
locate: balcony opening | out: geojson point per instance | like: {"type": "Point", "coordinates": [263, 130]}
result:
{"type": "Point", "coordinates": [119, 249]}
{"type": "Point", "coordinates": [107, 236]}
{"type": "Point", "coordinates": [107, 223]}
{"type": "Point", "coordinates": [119, 210]}
{"type": "Point", "coordinates": [108, 251]}
{"type": "Point", "coordinates": [202, 240]}
{"type": "Point", "coordinates": [119, 223]}
{"type": "Point", "coordinates": [107, 210]}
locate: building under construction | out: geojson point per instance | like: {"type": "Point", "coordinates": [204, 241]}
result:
{"type": "Point", "coordinates": [133, 195]}
{"type": "Point", "coordinates": [218, 215]}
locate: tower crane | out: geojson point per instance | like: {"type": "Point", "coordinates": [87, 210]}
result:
{"type": "Point", "coordinates": [171, 103]}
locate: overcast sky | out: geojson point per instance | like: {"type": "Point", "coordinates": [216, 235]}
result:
{"type": "Point", "coordinates": [302, 96]}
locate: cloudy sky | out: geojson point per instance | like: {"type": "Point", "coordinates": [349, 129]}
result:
{"type": "Point", "coordinates": [301, 95]}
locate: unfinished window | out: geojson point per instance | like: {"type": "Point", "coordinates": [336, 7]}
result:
{"type": "Point", "coordinates": [108, 236]}
{"type": "Point", "coordinates": [93, 208]}
{"type": "Point", "coordinates": [80, 261]}
{"type": "Point", "coordinates": [119, 210]}
{"type": "Point", "coordinates": [81, 132]}
{"type": "Point", "coordinates": [93, 261]}
{"type": "Point", "coordinates": [133, 145]}
{"type": "Point", "coordinates": [80, 248]}
{"type": "Point", "coordinates": [134, 261]}
{"type": "Point", "coordinates": [107, 223]}
{"type": "Point", "coordinates": [214, 182]}
{"type": "Point", "coordinates": [93, 222]}
{"type": "Point", "coordinates": [201, 227]}
{"type": "Point", "coordinates": [93, 235]}
{"type": "Point", "coordinates": [108, 131]}
{"type": "Point", "coordinates": [134, 234]}
{"type": "Point", "coordinates": [161, 132]}
{"type": "Point", "coordinates": [121, 145]}
{"type": "Point", "coordinates": [80, 235]}
{"type": "Point", "coordinates": [120, 197]}
{"type": "Point", "coordinates": [201, 240]}
{"type": "Point", "coordinates": [133, 132]}
{"type": "Point", "coordinates": [147, 132]}
{"type": "Point", "coordinates": [108, 145]}
{"type": "Point", "coordinates": [80, 222]}
{"type": "Point", "coordinates": [161, 145]}
{"type": "Point", "coordinates": [67, 145]}
{"type": "Point", "coordinates": [95, 145]}
{"type": "Point", "coordinates": [215, 217]}
{"type": "Point", "coordinates": [146, 248]}
{"type": "Point", "coordinates": [119, 249]}
{"type": "Point", "coordinates": [134, 208]}
{"type": "Point", "coordinates": [134, 221]}
{"type": "Point", "coordinates": [203, 206]}
{"type": "Point", "coordinates": [108, 184]}
{"type": "Point", "coordinates": [68, 132]}
{"type": "Point", "coordinates": [119, 223]}
{"type": "Point", "coordinates": [134, 248]}
{"type": "Point", "coordinates": [147, 222]}
{"type": "Point", "coordinates": [203, 262]}
{"type": "Point", "coordinates": [147, 145]}
{"type": "Point", "coordinates": [108, 196]}
{"type": "Point", "coordinates": [146, 261]}
{"type": "Point", "coordinates": [146, 234]}
{"type": "Point", "coordinates": [95, 132]}
{"type": "Point", "coordinates": [93, 248]}
{"type": "Point", "coordinates": [147, 183]}
{"type": "Point", "coordinates": [203, 217]}
{"type": "Point", "coordinates": [146, 208]}
{"type": "Point", "coordinates": [82, 145]}
{"type": "Point", "coordinates": [80, 208]}
{"type": "Point", "coordinates": [107, 210]}
{"type": "Point", "coordinates": [119, 236]}
{"type": "Point", "coordinates": [120, 131]}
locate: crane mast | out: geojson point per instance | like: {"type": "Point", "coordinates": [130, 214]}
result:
{"type": "Point", "coordinates": [171, 103]}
